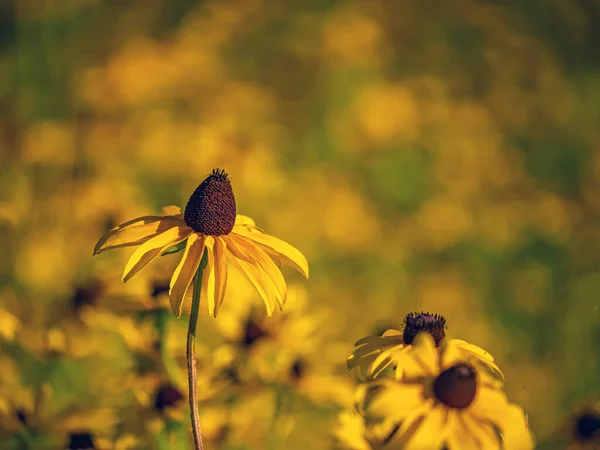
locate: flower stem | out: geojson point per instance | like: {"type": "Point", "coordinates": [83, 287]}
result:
{"type": "Point", "coordinates": [191, 355]}
{"type": "Point", "coordinates": [273, 433]}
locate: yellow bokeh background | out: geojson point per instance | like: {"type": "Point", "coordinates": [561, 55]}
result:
{"type": "Point", "coordinates": [437, 156]}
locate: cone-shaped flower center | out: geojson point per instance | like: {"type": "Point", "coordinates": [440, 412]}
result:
{"type": "Point", "coordinates": [415, 323]}
{"type": "Point", "coordinates": [167, 396]}
{"type": "Point", "coordinates": [455, 387]}
{"type": "Point", "coordinates": [211, 208]}
{"type": "Point", "coordinates": [587, 426]}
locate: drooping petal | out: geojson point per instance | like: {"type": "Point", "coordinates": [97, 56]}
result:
{"type": "Point", "coordinates": [482, 432]}
{"type": "Point", "coordinates": [276, 249]}
{"type": "Point", "coordinates": [171, 210]}
{"type": "Point", "coordinates": [385, 359]}
{"type": "Point", "coordinates": [491, 405]}
{"type": "Point", "coordinates": [412, 422]}
{"type": "Point", "coordinates": [263, 285]}
{"type": "Point", "coordinates": [136, 232]}
{"type": "Point", "coordinates": [220, 271]}
{"type": "Point", "coordinates": [153, 248]}
{"type": "Point", "coordinates": [458, 436]}
{"type": "Point", "coordinates": [207, 293]}
{"type": "Point", "coordinates": [430, 433]}
{"type": "Point", "coordinates": [266, 264]}
{"type": "Point", "coordinates": [482, 357]}
{"type": "Point", "coordinates": [185, 272]}
{"type": "Point", "coordinates": [394, 400]}
{"type": "Point", "coordinates": [422, 360]}
{"type": "Point", "coordinates": [244, 220]}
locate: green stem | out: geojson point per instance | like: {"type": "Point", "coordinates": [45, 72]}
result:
{"type": "Point", "coordinates": [273, 434]}
{"type": "Point", "coordinates": [191, 354]}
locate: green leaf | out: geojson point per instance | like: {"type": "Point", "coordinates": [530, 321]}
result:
{"type": "Point", "coordinates": [175, 248]}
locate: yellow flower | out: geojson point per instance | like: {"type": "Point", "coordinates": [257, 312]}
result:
{"type": "Point", "coordinates": [375, 354]}
{"type": "Point", "coordinates": [209, 222]}
{"type": "Point", "coordinates": [350, 431]}
{"type": "Point", "coordinates": [444, 401]}
{"type": "Point", "coordinates": [585, 429]}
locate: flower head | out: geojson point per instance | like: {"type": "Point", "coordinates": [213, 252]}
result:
{"type": "Point", "coordinates": [443, 400]}
{"type": "Point", "coordinates": [209, 225]}
{"type": "Point", "coordinates": [211, 208]}
{"type": "Point", "coordinates": [374, 354]}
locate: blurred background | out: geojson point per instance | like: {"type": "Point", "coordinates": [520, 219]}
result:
{"type": "Point", "coordinates": [438, 156]}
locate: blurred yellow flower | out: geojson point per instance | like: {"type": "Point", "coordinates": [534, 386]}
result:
{"type": "Point", "coordinates": [9, 325]}
{"type": "Point", "coordinates": [375, 354]}
{"type": "Point", "coordinates": [350, 431]}
{"type": "Point", "coordinates": [444, 401]}
{"type": "Point", "coordinates": [210, 222]}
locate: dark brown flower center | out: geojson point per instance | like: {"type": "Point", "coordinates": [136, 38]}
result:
{"type": "Point", "coordinates": [167, 396]}
{"type": "Point", "coordinates": [87, 295]}
{"type": "Point", "coordinates": [587, 426]}
{"type": "Point", "coordinates": [211, 208]}
{"type": "Point", "coordinates": [298, 370]}
{"type": "Point", "coordinates": [416, 323]}
{"type": "Point", "coordinates": [456, 387]}
{"type": "Point", "coordinates": [252, 333]}
{"type": "Point", "coordinates": [159, 287]}
{"type": "Point", "coordinates": [80, 441]}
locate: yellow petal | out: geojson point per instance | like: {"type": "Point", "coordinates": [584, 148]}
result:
{"type": "Point", "coordinates": [153, 248]}
{"type": "Point", "coordinates": [257, 278]}
{"type": "Point", "coordinates": [185, 272]}
{"type": "Point", "coordinates": [430, 433]}
{"type": "Point", "coordinates": [458, 435]}
{"type": "Point", "coordinates": [135, 232]}
{"type": "Point", "coordinates": [266, 264]}
{"type": "Point", "coordinates": [422, 359]}
{"type": "Point", "coordinates": [208, 277]}
{"type": "Point", "coordinates": [277, 249]}
{"type": "Point", "coordinates": [220, 249]}
{"type": "Point", "coordinates": [393, 400]}
{"type": "Point", "coordinates": [482, 432]}
{"type": "Point", "coordinates": [480, 356]}
{"type": "Point", "coordinates": [491, 405]}
{"type": "Point", "coordinates": [473, 349]}
{"type": "Point", "coordinates": [171, 210]}
{"type": "Point", "coordinates": [244, 220]}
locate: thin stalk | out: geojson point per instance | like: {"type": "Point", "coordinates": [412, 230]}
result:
{"type": "Point", "coordinates": [274, 432]}
{"type": "Point", "coordinates": [191, 355]}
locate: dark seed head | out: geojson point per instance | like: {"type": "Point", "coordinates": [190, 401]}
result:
{"type": "Point", "coordinates": [297, 370]}
{"type": "Point", "coordinates": [167, 396]}
{"type": "Point", "coordinates": [455, 387]}
{"type": "Point", "coordinates": [415, 323]}
{"type": "Point", "coordinates": [587, 426]}
{"type": "Point", "coordinates": [252, 333]}
{"type": "Point", "coordinates": [80, 441]}
{"type": "Point", "coordinates": [158, 288]}
{"type": "Point", "coordinates": [22, 417]}
{"type": "Point", "coordinates": [211, 208]}
{"type": "Point", "coordinates": [87, 294]}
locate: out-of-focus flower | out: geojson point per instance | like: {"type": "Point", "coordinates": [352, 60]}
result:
{"type": "Point", "coordinates": [375, 354]}
{"type": "Point", "coordinates": [9, 325]}
{"type": "Point", "coordinates": [29, 415]}
{"type": "Point", "coordinates": [443, 400]}
{"type": "Point", "coordinates": [585, 430]}
{"type": "Point", "coordinates": [210, 222]}
{"type": "Point", "coordinates": [579, 431]}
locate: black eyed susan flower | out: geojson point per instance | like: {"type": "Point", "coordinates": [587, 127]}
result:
{"type": "Point", "coordinates": [444, 401]}
{"type": "Point", "coordinates": [586, 430]}
{"type": "Point", "coordinates": [374, 354]}
{"type": "Point", "coordinates": [210, 221]}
